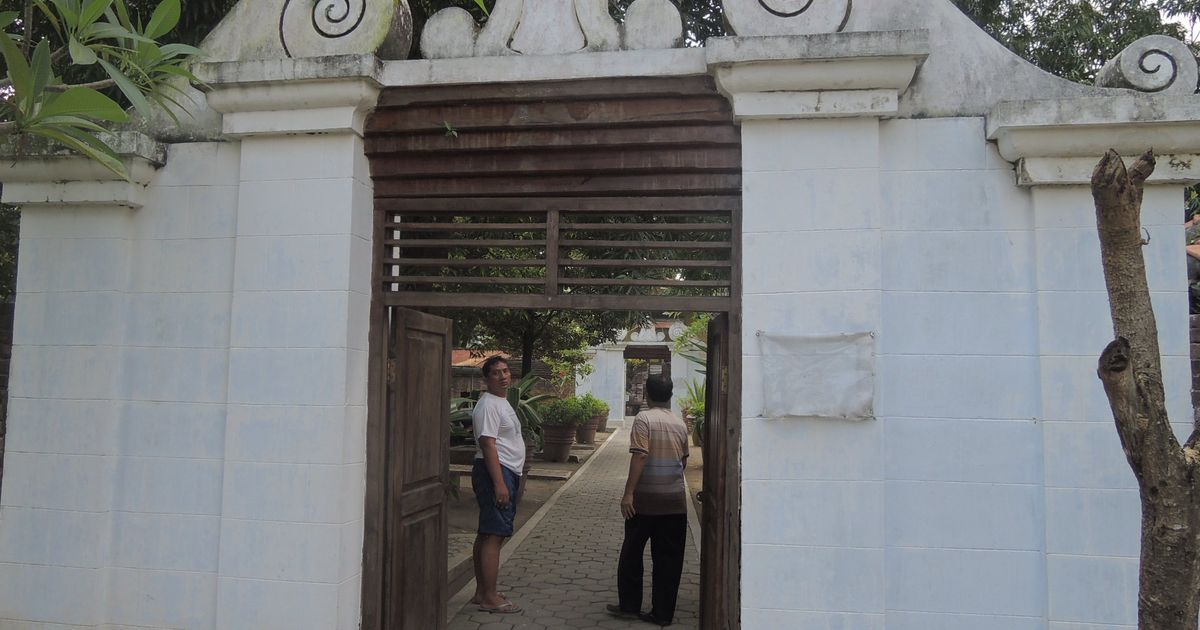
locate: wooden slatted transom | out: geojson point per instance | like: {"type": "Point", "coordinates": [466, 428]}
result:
{"type": "Point", "coordinates": [614, 194]}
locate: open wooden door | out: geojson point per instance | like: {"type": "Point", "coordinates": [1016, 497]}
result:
{"type": "Point", "coordinates": [719, 585]}
{"type": "Point", "coordinates": [410, 534]}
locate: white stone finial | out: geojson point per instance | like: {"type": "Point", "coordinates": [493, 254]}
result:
{"type": "Point", "coordinates": [1155, 63]}
{"type": "Point", "coordinates": [551, 27]}
{"type": "Point", "coordinates": [787, 17]}
{"type": "Point", "coordinates": [316, 28]}
{"type": "Point", "coordinates": [548, 27]}
{"type": "Point", "coordinates": [449, 34]}
{"type": "Point", "coordinates": [652, 24]}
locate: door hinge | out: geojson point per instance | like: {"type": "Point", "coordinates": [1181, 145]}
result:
{"type": "Point", "coordinates": [391, 371]}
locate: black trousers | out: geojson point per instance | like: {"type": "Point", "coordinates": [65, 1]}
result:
{"type": "Point", "coordinates": [667, 535]}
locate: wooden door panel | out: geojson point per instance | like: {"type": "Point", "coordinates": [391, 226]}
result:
{"type": "Point", "coordinates": [417, 433]}
{"type": "Point", "coordinates": [420, 582]}
{"type": "Point", "coordinates": [422, 352]}
{"type": "Point", "coordinates": [714, 524]}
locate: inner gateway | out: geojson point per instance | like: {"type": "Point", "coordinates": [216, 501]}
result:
{"type": "Point", "coordinates": [613, 194]}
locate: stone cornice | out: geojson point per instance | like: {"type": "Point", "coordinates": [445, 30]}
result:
{"type": "Point", "coordinates": [226, 73]}
{"type": "Point", "coordinates": [1173, 168]}
{"type": "Point", "coordinates": [816, 76]}
{"type": "Point", "coordinates": [47, 175]}
{"type": "Point", "coordinates": [321, 95]}
{"type": "Point", "coordinates": [1057, 142]}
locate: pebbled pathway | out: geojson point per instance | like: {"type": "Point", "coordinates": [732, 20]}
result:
{"type": "Point", "coordinates": [564, 572]}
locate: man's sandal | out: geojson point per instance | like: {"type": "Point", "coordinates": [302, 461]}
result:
{"type": "Point", "coordinates": [476, 601]}
{"type": "Point", "coordinates": [507, 608]}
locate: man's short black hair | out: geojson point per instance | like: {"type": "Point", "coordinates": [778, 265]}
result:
{"type": "Point", "coordinates": [491, 361]}
{"type": "Point", "coordinates": [659, 388]}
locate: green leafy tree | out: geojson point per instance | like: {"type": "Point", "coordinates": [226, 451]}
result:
{"type": "Point", "coordinates": [1074, 38]}
{"type": "Point", "coordinates": [553, 334]}
{"type": "Point", "coordinates": [71, 67]}
{"type": "Point", "coordinates": [101, 36]}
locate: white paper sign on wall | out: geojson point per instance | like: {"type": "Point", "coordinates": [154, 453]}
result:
{"type": "Point", "coordinates": [819, 376]}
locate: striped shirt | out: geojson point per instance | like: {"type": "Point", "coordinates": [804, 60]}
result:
{"type": "Point", "coordinates": [663, 437]}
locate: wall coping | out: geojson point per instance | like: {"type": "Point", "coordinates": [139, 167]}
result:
{"type": "Point", "coordinates": [820, 47]}
{"type": "Point", "coordinates": [835, 75]}
{"type": "Point", "coordinates": [1059, 141]}
{"type": "Point", "coordinates": [226, 73]}
{"type": "Point", "coordinates": [47, 175]}
{"type": "Point", "coordinates": [254, 106]}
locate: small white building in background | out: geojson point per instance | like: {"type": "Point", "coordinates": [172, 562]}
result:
{"type": "Point", "coordinates": [608, 381]}
{"type": "Point", "coordinates": [189, 381]}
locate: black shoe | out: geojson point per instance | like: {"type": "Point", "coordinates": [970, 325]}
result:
{"type": "Point", "coordinates": [650, 618]}
{"type": "Point", "coordinates": [616, 611]}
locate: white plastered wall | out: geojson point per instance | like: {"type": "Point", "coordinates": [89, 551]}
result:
{"type": "Point", "coordinates": [113, 480]}
{"type": "Point", "coordinates": [186, 438]}
{"type": "Point", "coordinates": [607, 380]}
{"type": "Point", "coordinates": [990, 492]}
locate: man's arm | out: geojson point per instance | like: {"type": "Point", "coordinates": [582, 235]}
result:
{"type": "Point", "coordinates": [637, 463]}
{"type": "Point", "coordinates": [491, 460]}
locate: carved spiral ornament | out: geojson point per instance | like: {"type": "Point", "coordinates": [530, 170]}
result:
{"type": "Point", "coordinates": [337, 18]}
{"type": "Point", "coordinates": [316, 28]}
{"type": "Point", "coordinates": [1153, 63]}
{"type": "Point", "coordinates": [750, 18]}
{"type": "Point", "coordinates": [1157, 64]}
{"type": "Point", "coordinates": [786, 10]}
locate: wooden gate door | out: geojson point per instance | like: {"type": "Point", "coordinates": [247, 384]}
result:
{"type": "Point", "coordinates": [715, 589]}
{"type": "Point", "coordinates": [417, 435]}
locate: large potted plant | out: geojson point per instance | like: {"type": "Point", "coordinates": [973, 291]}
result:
{"type": "Point", "coordinates": [697, 429]}
{"type": "Point", "coordinates": [526, 404]}
{"type": "Point", "coordinates": [462, 438]}
{"type": "Point", "coordinates": [559, 419]}
{"type": "Point", "coordinates": [599, 410]}
{"type": "Point", "coordinates": [692, 403]}
{"type": "Point", "coordinates": [586, 432]}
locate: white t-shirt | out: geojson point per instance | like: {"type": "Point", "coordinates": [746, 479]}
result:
{"type": "Point", "coordinates": [494, 417]}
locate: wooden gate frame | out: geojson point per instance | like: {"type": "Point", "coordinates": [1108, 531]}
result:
{"type": "Point", "coordinates": [376, 451]}
{"type": "Point", "coordinates": [382, 301]}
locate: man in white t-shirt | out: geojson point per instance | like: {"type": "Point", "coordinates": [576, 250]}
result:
{"type": "Point", "coordinates": [495, 477]}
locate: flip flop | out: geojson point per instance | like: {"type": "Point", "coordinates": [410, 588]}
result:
{"type": "Point", "coordinates": [475, 599]}
{"type": "Point", "coordinates": [507, 608]}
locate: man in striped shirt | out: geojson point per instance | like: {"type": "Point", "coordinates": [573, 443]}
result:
{"type": "Point", "coordinates": [655, 508]}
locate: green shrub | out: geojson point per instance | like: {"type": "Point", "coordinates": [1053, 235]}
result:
{"type": "Point", "coordinates": [567, 412]}
{"type": "Point", "coordinates": [594, 406]}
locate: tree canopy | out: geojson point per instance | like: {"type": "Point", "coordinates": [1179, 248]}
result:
{"type": "Point", "coordinates": [1074, 38]}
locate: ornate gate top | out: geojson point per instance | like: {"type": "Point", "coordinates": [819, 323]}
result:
{"type": "Point", "coordinates": [278, 29]}
{"type": "Point", "coordinates": [551, 27]}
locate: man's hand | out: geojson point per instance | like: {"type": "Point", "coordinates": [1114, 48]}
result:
{"type": "Point", "coordinates": [502, 497]}
{"type": "Point", "coordinates": [627, 506]}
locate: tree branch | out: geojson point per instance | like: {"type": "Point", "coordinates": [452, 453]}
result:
{"type": "Point", "coordinates": [1118, 196]}
{"type": "Point", "coordinates": [1130, 367]}
{"type": "Point", "coordinates": [1114, 371]}
{"type": "Point", "coordinates": [103, 84]}
{"type": "Point", "coordinates": [28, 24]}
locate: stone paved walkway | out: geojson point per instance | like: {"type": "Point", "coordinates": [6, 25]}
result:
{"type": "Point", "coordinates": [564, 572]}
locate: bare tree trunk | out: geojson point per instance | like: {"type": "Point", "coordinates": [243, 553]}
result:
{"type": "Point", "coordinates": [1130, 368]}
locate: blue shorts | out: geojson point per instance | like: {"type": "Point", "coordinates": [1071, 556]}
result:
{"type": "Point", "coordinates": [492, 519]}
